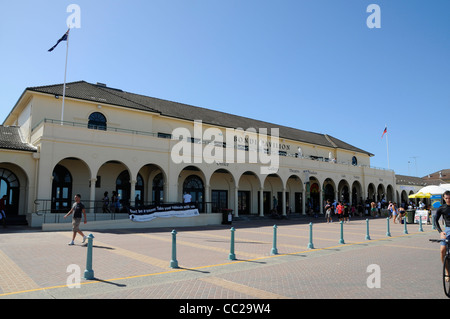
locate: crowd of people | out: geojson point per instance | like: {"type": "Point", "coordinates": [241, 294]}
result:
{"type": "Point", "coordinates": [343, 211]}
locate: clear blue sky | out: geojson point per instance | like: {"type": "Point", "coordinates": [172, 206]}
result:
{"type": "Point", "coordinates": [308, 64]}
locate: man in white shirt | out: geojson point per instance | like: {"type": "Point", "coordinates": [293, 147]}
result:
{"type": "Point", "coordinates": [187, 198]}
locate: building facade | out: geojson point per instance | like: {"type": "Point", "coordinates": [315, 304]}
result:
{"type": "Point", "coordinates": [150, 150]}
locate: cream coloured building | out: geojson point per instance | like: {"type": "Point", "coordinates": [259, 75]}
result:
{"type": "Point", "coordinates": [150, 150]}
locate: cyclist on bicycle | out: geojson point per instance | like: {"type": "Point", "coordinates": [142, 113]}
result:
{"type": "Point", "coordinates": [444, 212]}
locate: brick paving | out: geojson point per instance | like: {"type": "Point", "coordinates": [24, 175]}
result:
{"type": "Point", "coordinates": [135, 264]}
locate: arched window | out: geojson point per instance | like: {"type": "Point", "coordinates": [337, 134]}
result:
{"type": "Point", "coordinates": [97, 121]}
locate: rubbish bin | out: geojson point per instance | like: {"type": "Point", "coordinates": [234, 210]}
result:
{"type": "Point", "coordinates": [410, 214]}
{"type": "Point", "coordinates": [227, 216]}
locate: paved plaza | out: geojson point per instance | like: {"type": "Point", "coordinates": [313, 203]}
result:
{"type": "Point", "coordinates": [135, 264]}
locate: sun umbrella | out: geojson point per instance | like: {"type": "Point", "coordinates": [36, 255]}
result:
{"type": "Point", "coordinates": [446, 186]}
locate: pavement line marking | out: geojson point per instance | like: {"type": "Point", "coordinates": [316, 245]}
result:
{"type": "Point", "coordinates": [186, 243]}
{"type": "Point", "coordinates": [217, 265]}
{"type": "Point", "coordinates": [164, 264]}
{"type": "Point", "coordinates": [254, 292]}
{"type": "Point", "coordinates": [12, 277]}
{"type": "Point", "coordinates": [411, 247]}
{"type": "Point", "coordinates": [244, 240]}
{"type": "Point", "coordinates": [279, 234]}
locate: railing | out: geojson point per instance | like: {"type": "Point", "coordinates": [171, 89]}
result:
{"type": "Point", "coordinates": [95, 210]}
{"type": "Point", "coordinates": [85, 125]}
{"type": "Point", "coordinates": [192, 140]}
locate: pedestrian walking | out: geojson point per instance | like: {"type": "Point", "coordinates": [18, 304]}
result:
{"type": "Point", "coordinates": [346, 215]}
{"type": "Point", "coordinates": [328, 209]}
{"type": "Point", "coordinates": [373, 209]}
{"type": "Point", "coordinates": [394, 212]}
{"type": "Point", "coordinates": [78, 209]}
{"type": "Point", "coordinates": [340, 211]}
{"type": "Point", "coordinates": [106, 203]}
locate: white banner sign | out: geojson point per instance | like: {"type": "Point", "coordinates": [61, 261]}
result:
{"type": "Point", "coordinates": [148, 213]}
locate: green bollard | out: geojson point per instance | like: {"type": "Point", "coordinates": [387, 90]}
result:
{"type": "Point", "coordinates": [367, 229]}
{"type": "Point", "coordinates": [174, 262]}
{"type": "Point", "coordinates": [89, 272]}
{"type": "Point", "coordinates": [420, 223]}
{"type": "Point", "coordinates": [433, 222]}
{"type": "Point", "coordinates": [341, 241]}
{"type": "Point", "coordinates": [232, 256]}
{"type": "Point", "coordinates": [388, 233]}
{"type": "Point", "coordinates": [405, 231]}
{"type": "Point", "coordinates": [310, 245]}
{"type": "Point", "coordinates": [274, 245]}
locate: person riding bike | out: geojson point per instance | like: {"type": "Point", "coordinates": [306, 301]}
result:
{"type": "Point", "coordinates": [444, 212]}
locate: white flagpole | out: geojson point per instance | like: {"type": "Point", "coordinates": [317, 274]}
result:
{"type": "Point", "coordinates": [387, 147]}
{"type": "Point", "coordinates": [65, 75]}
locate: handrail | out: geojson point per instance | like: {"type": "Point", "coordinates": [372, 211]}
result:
{"type": "Point", "coordinates": [205, 142]}
{"type": "Point", "coordinates": [43, 208]}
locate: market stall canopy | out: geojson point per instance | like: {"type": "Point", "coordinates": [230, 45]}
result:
{"type": "Point", "coordinates": [420, 195]}
{"type": "Point", "coordinates": [446, 186]}
{"type": "Point", "coordinates": [428, 191]}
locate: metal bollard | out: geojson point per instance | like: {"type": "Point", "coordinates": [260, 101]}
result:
{"type": "Point", "coordinates": [174, 262]}
{"type": "Point", "coordinates": [232, 256]}
{"type": "Point", "coordinates": [433, 222]}
{"type": "Point", "coordinates": [367, 229]}
{"type": "Point", "coordinates": [388, 233]}
{"type": "Point", "coordinates": [420, 223]}
{"type": "Point", "coordinates": [405, 231]}
{"type": "Point", "coordinates": [274, 243]}
{"type": "Point", "coordinates": [310, 245]}
{"type": "Point", "coordinates": [341, 241]}
{"type": "Point", "coordinates": [89, 272]}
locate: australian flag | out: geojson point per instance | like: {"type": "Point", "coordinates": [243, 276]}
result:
{"type": "Point", "coordinates": [63, 38]}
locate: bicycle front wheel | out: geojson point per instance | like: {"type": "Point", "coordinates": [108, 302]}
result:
{"type": "Point", "coordinates": [446, 276]}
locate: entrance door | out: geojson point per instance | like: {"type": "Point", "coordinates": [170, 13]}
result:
{"type": "Point", "coordinates": [194, 185]}
{"type": "Point", "coordinates": [123, 188]}
{"type": "Point", "coordinates": [244, 202]}
{"type": "Point", "coordinates": [9, 186]}
{"type": "Point", "coordinates": [219, 199]}
{"type": "Point", "coordinates": [266, 202]}
{"type": "Point", "coordinates": [280, 202]}
{"type": "Point", "coordinates": [158, 189]}
{"type": "Point", "coordinates": [298, 202]}
{"type": "Point", "coordinates": [61, 190]}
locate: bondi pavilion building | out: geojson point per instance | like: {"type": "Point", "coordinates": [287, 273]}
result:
{"type": "Point", "coordinates": [153, 151]}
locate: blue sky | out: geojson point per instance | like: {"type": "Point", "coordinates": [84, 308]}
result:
{"type": "Point", "coordinates": [309, 64]}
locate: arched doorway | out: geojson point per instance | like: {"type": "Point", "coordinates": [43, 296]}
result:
{"type": "Point", "coordinates": [9, 186]}
{"type": "Point", "coordinates": [193, 185]}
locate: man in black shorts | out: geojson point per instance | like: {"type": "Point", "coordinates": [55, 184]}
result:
{"type": "Point", "coordinates": [77, 210]}
{"type": "Point", "coordinates": [444, 212]}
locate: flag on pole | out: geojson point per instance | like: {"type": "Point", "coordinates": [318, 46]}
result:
{"type": "Point", "coordinates": [384, 132]}
{"type": "Point", "coordinates": [63, 38]}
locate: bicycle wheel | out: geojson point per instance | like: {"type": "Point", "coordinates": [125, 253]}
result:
{"type": "Point", "coordinates": [446, 275]}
